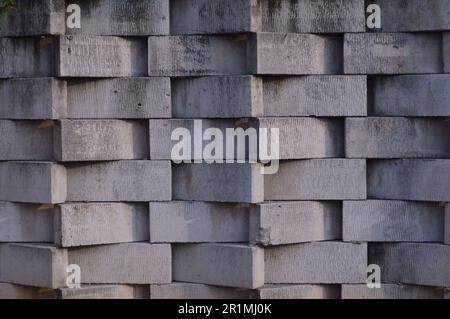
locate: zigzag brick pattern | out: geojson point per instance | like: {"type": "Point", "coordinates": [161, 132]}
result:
{"type": "Point", "coordinates": [86, 176]}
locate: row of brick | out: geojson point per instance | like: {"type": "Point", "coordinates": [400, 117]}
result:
{"type": "Point", "coordinates": [259, 53]}
{"type": "Point", "coordinates": [143, 180]}
{"type": "Point", "coordinates": [225, 97]}
{"type": "Point", "coordinates": [185, 291]}
{"type": "Point", "coordinates": [330, 262]}
{"type": "Point", "coordinates": [161, 17]}
{"type": "Point", "coordinates": [266, 224]}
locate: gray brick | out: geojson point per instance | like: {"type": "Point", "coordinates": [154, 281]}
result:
{"type": "Point", "coordinates": [33, 99]}
{"type": "Point", "coordinates": [316, 263]}
{"type": "Point", "coordinates": [133, 263]}
{"type": "Point", "coordinates": [180, 290]}
{"type": "Point", "coordinates": [297, 292]}
{"type": "Point", "coordinates": [123, 98]}
{"type": "Point", "coordinates": [26, 140]}
{"type": "Point", "coordinates": [235, 183]}
{"type": "Point", "coordinates": [215, 264]}
{"type": "Point", "coordinates": [13, 291]}
{"type": "Point", "coordinates": [35, 265]}
{"type": "Point", "coordinates": [27, 57]}
{"type": "Point", "coordinates": [410, 95]}
{"type": "Point", "coordinates": [313, 95]}
{"type": "Point", "coordinates": [86, 224]}
{"type": "Point", "coordinates": [392, 53]}
{"type": "Point", "coordinates": [207, 222]}
{"type": "Point", "coordinates": [390, 291]}
{"type": "Point", "coordinates": [414, 15]}
{"type": "Point", "coordinates": [31, 18]}
{"type": "Point", "coordinates": [285, 16]}
{"type": "Point", "coordinates": [33, 182]}
{"type": "Point", "coordinates": [131, 181]}
{"type": "Point", "coordinates": [392, 221]}
{"type": "Point", "coordinates": [217, 97]}
{"type": "Point", "coordinates": [246, 54]}
{"type": "Point", "coordinates": [123, 18]}
{"type": "Point", "coordinates": [326, 179]}
{"type": "Point", "coordinates": [97, 140]}
{"type": "Point", "coordinates": [100, 56]}
{"type": "Point", "coordinates": [385, 137]}
{"type": "Point", "coordinates": [418, 180]}
{"type": "Point", "coordinates": [412, 263]}
{"type": "Point", "coordinates": [295, 222]}
{"type": "Point", "coordinates": [26, 223]}
{"type": "Point", "coordinates": [447, 225]}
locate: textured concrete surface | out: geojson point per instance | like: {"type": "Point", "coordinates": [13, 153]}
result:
{"type": "Point", "coordinates": [87, 177]}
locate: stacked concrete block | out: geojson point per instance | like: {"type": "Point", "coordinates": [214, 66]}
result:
{"type": "Point", "coordinates": [89, 119]}
{"type": "Point", "coordinates": [75, 171]}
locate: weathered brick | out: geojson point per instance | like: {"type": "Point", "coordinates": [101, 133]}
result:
{"type": "Point", "coordinates": [215, 264]}
{"type": "Point", "coordinates": [418, 180]}
{"type": "Point", "coordinates": [398, 137]}
{"type": "Point", "coordinates": [316, 263]}
{"type": "Point", "coordinates": [412, 263]}
{"type": "Point", "coordinates": [295, 222]}
{"type": "Point", "coordinates": [327, 179]}
{"type": "Point", "coordinates": [100, 140]}
{"type": "Point", "coordinates": [35, 265]}
{"type": "Point", "coordinates": [131, 181]}
{"type": "Point", "coordinates": [410, 95]}
{"type": "Point", "coordinates": [392, 221]}
{"type": "Point", "coordinates": [87, 224]}
{"type": "Point", "coordinates": [208, 222]}
{"type": "Point", "coordinates": [33, 182]}
{"type": "Point", "coordinates": [131, 263]}
{"type": "Point", "coordinates": [392, 53]}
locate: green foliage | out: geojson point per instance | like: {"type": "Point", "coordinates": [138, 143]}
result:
{"type": "Point", "coordinates": [5, 5]}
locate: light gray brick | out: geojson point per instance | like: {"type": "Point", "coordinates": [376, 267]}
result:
{"type": "Point", "coordinates": [215, 264]}
{"type": "Point", "coordinates": [392, 221]}
{"type": "Point", "coordinates": [26, 140]}
{"type": "Point", "coordinates": [322, 179]}
{"type": "Point", "coordinates": [26, 223]}
{"type": "Point", "coordinates": [100, 56]}
{"type": "Point", "coordinates": [418, 180]}
{"type": "Point", "coordinates": [130, 263]}
{"type": "Point", "coordinates": [180, 290]}
{"type": "Point", "coordinates": [399, 137]}
{"type": "Point", "coordinates": [217, 97]}
{"type": "Point", "coordinates": [392, 53]}
{"type": "Point", "coordinates": [315, 95]}
{"type": "Point", "coordinates": [412, 263]}
{"type": "Point", "coordinates": [235, 183]}
{"type": "Point", "coordinates": [33, 182]}
{"type": "Point", "coordinates": [246, 54]}
{"type": "Point", "coordinates": [35, 265]}
{"type": "Point", "coordinates": [390, 291]}
{"type": "Point", "coordinates": [286, 16]}
{"type": "Point", "coordinates": [410, 95]}
{"type": "Point", "coordinates": [32, 18]}
{"type": "Point", "coordinates": [297, 292]}
{"type": "Point", "coordinates": [123, 17]}
{"type": "Point", "coordinates": [122, 98]}
{"type": "Point", "coordinates": [295, 222]}
{"type": "Point", "coordinates": [316, 263]}
{"type": "Point", "coordinates": [414, 15]}
{"type": "Point", "coordinates": [131, 181]}
{"type": "Point", "coordinates": [27, 57]}
{"type": "Point", "coordinates": [84, 224]}
{"type": "Point", "coordinates": [100, 140]}
{"type": "Point", "coordinates": [196, 222]}
{"type": "Point", "coordinates": [33, 99]}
